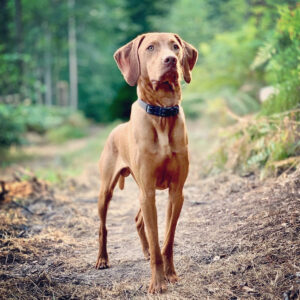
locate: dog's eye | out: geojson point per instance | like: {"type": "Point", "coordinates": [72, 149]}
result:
{"type": "Point", "coordinates": [175, 46]}
{"type": "Point", "coordinates": [150, 48]}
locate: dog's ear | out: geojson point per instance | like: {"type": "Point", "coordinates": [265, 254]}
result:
{"type": "Point", "coordinates": [189, 59]}
{"type": "Point", "coordinates": [128, 61]}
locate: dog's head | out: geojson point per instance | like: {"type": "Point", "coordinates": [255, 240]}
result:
{"type": "Point", "coordinates": [158, 57]}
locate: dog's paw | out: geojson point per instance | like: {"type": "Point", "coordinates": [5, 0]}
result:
{"type": "Point", "coordinates": [157, 286]}
{"type": "Point", "coordinates": [157, 283]}
{"type": "Point", "coordinates": [146, 254]}
{"type": "Point", "coordinates": [102, 263]}
{"type": "Point", "coordinates": [171, 277]}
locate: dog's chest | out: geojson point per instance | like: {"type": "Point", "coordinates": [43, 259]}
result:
{"type": "Point", "coordinates": [167, 148]}
{"type": "Point", "coordinates": [162, 142]}
{"type": "Point", "coordinates": [169, 160]}
{"type": "Point", "coordinates": [167, 137]}
{"type": "Point", "coordinates": [162, 151]}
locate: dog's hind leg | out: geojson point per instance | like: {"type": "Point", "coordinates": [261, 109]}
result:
{"type": "Point", "coordinates": [109, 175]}
{"type": "Point", "coordinates": [140, 226]}
{"type": "Point", "coordinates": [103, 201]}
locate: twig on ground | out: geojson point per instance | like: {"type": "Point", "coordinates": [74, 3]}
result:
{"type": "Point", "coordinates": [23, 206]}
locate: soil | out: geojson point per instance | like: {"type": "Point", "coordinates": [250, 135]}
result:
{"type": "Point", "coordinates": [237, 238]}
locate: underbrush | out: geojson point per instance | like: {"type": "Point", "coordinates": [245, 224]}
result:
{"type": "Point", "coordinates": [268, 145]}
{"type": "Point", "coordinates": [74, 126]}
{"type": "Point", "coordinates": [58, 124]}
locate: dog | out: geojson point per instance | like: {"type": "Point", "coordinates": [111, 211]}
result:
{"type": "Point", "coordinates": [152, 146]}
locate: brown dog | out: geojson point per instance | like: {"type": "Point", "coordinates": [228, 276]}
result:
{"type": "Point", "coordinates": [152, 146]}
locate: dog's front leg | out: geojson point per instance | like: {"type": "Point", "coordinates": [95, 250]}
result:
{"type": "Point", "coordinates": [147, 202]}
{"type": "Point", "coordinates": [173, 212]}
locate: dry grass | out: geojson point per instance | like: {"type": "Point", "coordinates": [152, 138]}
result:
{"type": "Point", "coordinates": [269, 144]}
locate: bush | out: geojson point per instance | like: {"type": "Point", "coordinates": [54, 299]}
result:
{"type": "Point", "coordinates": [65, 132]}
{"type": "Point", "coordinates": [11, 127]}
{"type": "Point", "coordinates": [40, 119]}
{"type": "Point", "coordinates": [269, 144]}
{"type": "Point", "coordinates": [73, 126]}
{"type": "Point", "coordinates": [59, 124]}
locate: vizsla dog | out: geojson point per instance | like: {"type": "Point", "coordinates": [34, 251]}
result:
{"type": "Point", "coordinates": [152, 146]}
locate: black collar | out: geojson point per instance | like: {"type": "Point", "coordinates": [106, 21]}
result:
{"type": "Point", "coordinates": [159, 110]}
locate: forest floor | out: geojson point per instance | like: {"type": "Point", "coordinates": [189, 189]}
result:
{"type": "Point", "coordinates": [237, 237]}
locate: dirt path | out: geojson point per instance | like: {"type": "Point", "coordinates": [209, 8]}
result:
{"type": "Point", "coordinates": [237, 238]}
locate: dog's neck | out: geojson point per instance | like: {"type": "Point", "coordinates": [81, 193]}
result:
{"type": "Point", "coordinates": [163, 95]}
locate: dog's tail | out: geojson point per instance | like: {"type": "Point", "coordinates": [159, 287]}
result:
{"type": "Point", "coordinates": [121, 182]}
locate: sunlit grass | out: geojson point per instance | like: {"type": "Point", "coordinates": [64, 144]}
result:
{"type": "Point", "coordinates": [14, 155]}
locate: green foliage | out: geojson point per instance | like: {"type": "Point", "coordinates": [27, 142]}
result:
{"type": "Point", "coordinates": [280, 59]}
{"type": "Point", "coordinates": [65, 132]}
{"type": "Point", "coordinates": [74, 126]}
{"type": "Point", "coordinates": [40, 119]}
{"type": "Point", "coordinates": [11, 127]}
{"type": "Point", "coordinates": [199, 21]}
{"type": "Point", "coordinates": [193, 106]}
{"type": "Point", "coordinates": [224, 69]}
{"type": "Point", "coordinates": [59, 123]}
{"type": "Point", "coordinates": [287, 98]}
{"type": "Point", "coordinates": [8, 65]}
{"type": "Point", "coordinates": [260, 143]}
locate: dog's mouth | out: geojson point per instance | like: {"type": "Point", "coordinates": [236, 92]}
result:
{"type": "Point", "coordinates": [168, 81]}
{"type": "Point", "coordinates": [165, 85]}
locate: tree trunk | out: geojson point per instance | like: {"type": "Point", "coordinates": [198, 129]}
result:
{"type": "Point", "coordinates": [38, 85]}
{"type": "Point", "coordinates": [19, 41]}
{"type": "Point", "coordinates": [72, 57]}
{"type": "Point", "coordinates": [48, 65]}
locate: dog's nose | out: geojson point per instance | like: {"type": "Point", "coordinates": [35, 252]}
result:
{"type": "Point", "coordinates": [170, 60]}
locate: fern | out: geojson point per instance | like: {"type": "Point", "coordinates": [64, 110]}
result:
{"type": "Point", "coordinates": [264, 54]}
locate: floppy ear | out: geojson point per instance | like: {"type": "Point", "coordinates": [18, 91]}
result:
{"type": "Point", "coordinates": [190, 55]}
{"type": "Point", "coordinates": [128, 61]}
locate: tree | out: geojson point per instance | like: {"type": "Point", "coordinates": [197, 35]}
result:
{"type": "Point", "coordinates": [19, 39]}
{"type": "Point", "coordinates": [48, 66]}
{"type": "Point", "coordinates": [72, 57]}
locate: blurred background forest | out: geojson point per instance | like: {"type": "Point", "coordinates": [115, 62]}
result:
{"type": "Point", "coordinates": [57, 73]}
